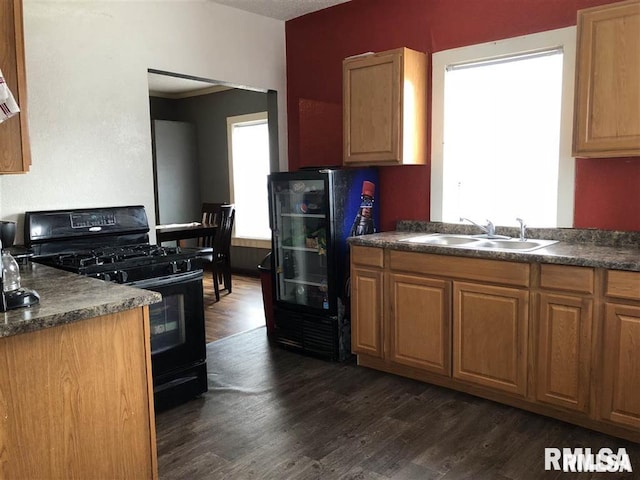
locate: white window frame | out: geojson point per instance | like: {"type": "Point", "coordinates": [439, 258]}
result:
{"type": "Point", "coordinates": [564, 38]}
{"type": "Point", "coordinates": [257, 117]}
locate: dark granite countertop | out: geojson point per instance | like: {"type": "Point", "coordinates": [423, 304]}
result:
{"type": "Point", "coordinates": [585, 248]}
{"type": "Point", "coordinates": [68, 297]}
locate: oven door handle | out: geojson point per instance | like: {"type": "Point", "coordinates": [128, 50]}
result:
{"type": "Point", "coordinates": [168, 280]}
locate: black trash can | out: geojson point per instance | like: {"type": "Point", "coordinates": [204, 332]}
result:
{"type": "Point", "coordinates": [267, 292]}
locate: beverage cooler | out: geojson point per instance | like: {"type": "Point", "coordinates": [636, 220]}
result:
{"type": "Point", "coordinates": [312, 212]}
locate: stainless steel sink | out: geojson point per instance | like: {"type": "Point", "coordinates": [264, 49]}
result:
{"type": "Point", "coordinates": [514, 244]}
{"type": "Point", "coordinates": [442, 239]}
{"type": "Point", "coordinates": [473, 242]}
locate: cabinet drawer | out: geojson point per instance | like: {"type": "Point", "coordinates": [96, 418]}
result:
{"type": "Point", "coordinates": [570, 279]}
{"type": "Point", "coordinates": [369, 256]}
{"type": "Point", "coordinates": [494, 271]}
{"type": "Point", "coordinates": [623, 284]}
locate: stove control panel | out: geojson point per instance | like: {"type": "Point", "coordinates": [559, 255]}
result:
{"type": "Point", "coordinates": [86, 219]}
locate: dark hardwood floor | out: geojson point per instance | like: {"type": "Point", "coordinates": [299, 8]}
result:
{"type": "Point", "coordinates": [235, 313]}
{"type": "Point", "coordinates": [274, 414]}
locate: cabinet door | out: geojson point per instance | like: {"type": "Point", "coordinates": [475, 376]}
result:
{"type": "Point", "coordinates": [620, 394]}
{"type": "Point", "coordinates": [77, 400]}
{"type": "Point", "coordinates": [372, 108]}
{"type": "Point", "coordinates": [490, 336]}
{"type": "Point", "coordinates": [15, 154]}
{"type": "Point", "coordinates": [607, 110]}
{"type": "Point", "coordinates": [366, 312]}
{"type": "Point", "coordinates": [564, 350]}
{"type": "Point", "coordinates": [420, 323]}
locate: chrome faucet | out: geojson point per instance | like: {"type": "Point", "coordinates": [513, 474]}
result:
{"type": "Point", "coordinates": [523, 230]}
{"type": "Point", "coordinates": [489, 228]}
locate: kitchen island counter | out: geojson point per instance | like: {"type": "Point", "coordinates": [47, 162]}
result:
{"type": "Point", "coordinates": [68, 297]}
{"type": "Point", "coordinates": [569, 251]}
{"type": "Point", "coordinates": [77, 398]}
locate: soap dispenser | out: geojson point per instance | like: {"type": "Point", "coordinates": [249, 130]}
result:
{"type": "Point", "coordinates": [10, 272]}
{"type": "Point", "coordinates": [13, 295]}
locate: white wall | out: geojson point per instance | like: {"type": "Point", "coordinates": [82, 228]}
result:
{"type": "Point", "coordinates": [87, 90]}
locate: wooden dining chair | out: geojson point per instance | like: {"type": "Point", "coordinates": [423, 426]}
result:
{"type": "Point", "coordinates": [222, 250]}
{"type": "Point", "coordinates": [210, 215]}
{"type": "Point", "coordinates": [221, 215]}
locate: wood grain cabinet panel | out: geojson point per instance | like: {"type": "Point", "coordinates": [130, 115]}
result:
{"type": "Point", "coordinates": [366, 312]}
{"type": "Point", "coordinates": [622, 284]}
{"type": "Point", "coordinates": [490, 332]}
{"type": "Point", "coordinates": [384, 108]}
{"type": "Point", "coordinates": [479, 269]}
{"type": "Point", "coordinates": [77, 401]}
{"type": "Point", "coordinates": [564, 350]}
{"type": "Point", "coordinates": [567, 278]}
{"type": "Point", "coordinates": [420, 323]}
{"type": "Point", "coordinates": [620, 389]}
{"type": "Point", "coordinates": [607, 99]}
{"type": "Point", "coordinates": [368, 256]}
{"type": "Point", "coordinates": [15, 153]}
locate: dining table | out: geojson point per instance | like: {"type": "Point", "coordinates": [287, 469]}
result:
{"type": "Point", "coordinates": [183, 231]}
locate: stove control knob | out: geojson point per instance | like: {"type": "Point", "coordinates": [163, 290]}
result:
{"type": "Point", "coordinates": [104, 276]}
{"type": "Point", "coordinates": [173, 267]}
{"type": "Point", "coordinates": [187, 265]}
{"type": "Point", "coordinates": [121, 276]}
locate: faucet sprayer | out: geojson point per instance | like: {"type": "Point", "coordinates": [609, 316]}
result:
{"type": "Point", "coordinates": [523, 230]}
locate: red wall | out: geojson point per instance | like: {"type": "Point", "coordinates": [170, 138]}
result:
{"type": "Point", "coordinates": [607, 190]}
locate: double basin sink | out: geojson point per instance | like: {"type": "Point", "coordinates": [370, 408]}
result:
{"type": "Point", "coordinates": [480, 242]}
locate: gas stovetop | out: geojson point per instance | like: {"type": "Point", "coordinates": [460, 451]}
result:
{"type": "Point", "coordinates": [110, 243]}
{"type": "Point", "coordinates": [126, 264]}
{"type": "Point", "coordinates": [115, 255]}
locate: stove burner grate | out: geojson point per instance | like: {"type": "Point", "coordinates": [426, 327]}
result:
{"type": "Point", "coordinates": [113, 255]}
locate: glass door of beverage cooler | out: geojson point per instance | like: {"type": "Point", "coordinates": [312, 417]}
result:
{"type": "Point", "coordinates": [300, 228]}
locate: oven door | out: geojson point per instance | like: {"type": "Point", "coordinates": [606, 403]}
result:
{"type": "Point", "coordinates": [177, 323]}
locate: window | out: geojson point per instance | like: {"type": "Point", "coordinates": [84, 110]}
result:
{"type": "Point", "coordinates": [248, 140]}
{"type": "Point", "coordinates": [502, 120]}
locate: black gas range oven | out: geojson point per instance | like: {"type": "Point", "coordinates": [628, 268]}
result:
{"type": "Point", "coordinates": [112, 244]}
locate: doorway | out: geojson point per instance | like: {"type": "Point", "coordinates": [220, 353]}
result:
{"type": "Point", "coordinates": [190, 166]}
{"type": "Point", "coordinates": [186, 111]}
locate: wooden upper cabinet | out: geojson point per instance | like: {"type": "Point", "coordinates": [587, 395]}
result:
{"type": "Point", "coordinates": [607, 106]}
{"type": "Point", "coordinates": [15, 154]}
{"type": "Point", "coordinates": [384, 102]}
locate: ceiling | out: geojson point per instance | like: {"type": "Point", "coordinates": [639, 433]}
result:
{"type": "Point", "coordinates": [178, 87]}
{"type": "Point", "coordinates": [280, 9]}
{"type": "Point", "coordinates": [170, 86]}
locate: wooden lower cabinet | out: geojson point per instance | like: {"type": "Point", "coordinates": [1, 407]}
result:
{"type": "Point", "coordinates": [620, 373]}
{"type": "Point", "coordinates": [558, 340]}
{"type": "Point", "coordinates": [366, 308]}
{"type": "Point", "coordinates": [76, 401]}
{"type": "Point", "coordinates": [419, 324]}
{"type": "Point", "coordinates": [490, 332]}
{"type": "Point", "coordinates": [563, 359]}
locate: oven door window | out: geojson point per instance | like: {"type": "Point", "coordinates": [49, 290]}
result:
{"type": "Point", "coordinates": [167, 320]}
{"type": "Point", "coordinates": [176, 323]}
